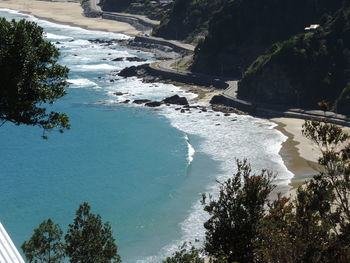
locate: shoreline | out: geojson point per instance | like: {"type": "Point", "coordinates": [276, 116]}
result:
{"type": "Point", "coordinates": [302, 165]}
{"type": "Point", "coordinates": [68, 13]}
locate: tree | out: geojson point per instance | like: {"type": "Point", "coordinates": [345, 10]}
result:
{"type": "Point", "coordinates": [45, 245]}
{"type": "Point", "coordinates": [315, 226]}
{"type": "Point", "coordinates": [185, 255]}
{"type": "Point", "coordinates": [31, 77]}
{"type": "Point", "coordinates": [90, 241]}
{"type": "Point", "coordinates": [232, 227]}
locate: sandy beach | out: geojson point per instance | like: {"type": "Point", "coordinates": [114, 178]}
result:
{"type": "Point", "coordinates": [67, 13]}
{"type": "Point", "coordinates": [299, 153]}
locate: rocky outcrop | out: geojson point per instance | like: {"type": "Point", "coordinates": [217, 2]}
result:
{"type": "Point", "coordinates": [130, 59]}
{"type": "Point", "coordinates": [135, 59]}
{"type": "Point", "coordinates": [141, 101]}
{"type": "Point", "coordinates": [153, 104]}
{"type": "Point", "coordinates": [133, 71]}
{"type": "Point", "coordinates": [176, 99]}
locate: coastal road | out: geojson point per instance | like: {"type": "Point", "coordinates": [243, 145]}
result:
{"type": "Point", "coordinates": [142, 20]}
{"type": "Point", "coordinates": [94, 5]}
{"type": "Point", "coordinates": [231, 91]}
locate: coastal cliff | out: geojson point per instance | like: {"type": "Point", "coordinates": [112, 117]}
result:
{"type": "Point", "coordinates": [152, 9]}
{"type": "Point", "coordinates": [188, 20]}
{"type": "Point", "coordinates": [306, 69]}
{"type": "Point", "coordinates": [243, 30]}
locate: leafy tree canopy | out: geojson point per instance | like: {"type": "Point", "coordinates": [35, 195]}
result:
{"type": "Point", "coordinates": [45, 245]}
{"type": "Point", "coordinates": [90, 241]}
{"type": "Point", "coordinates": [232, 227]}
{"type": "Point", "coordinates": [30, 76]}
{"type": "Point", "coordinates": [185, 255]}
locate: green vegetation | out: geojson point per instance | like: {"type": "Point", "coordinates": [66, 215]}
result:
{"type": "Point", "coordinates": [244, 29]}
{"type": "Point", "coordinates": [305, 69]}
{"type": "Point", "coordinates": [150, 8]}
{"type": "Point", "coordinates": [185, 255]}
{"type": "Point", "coordinates": [188, 20]}
{"type": "Point", "coordinates": [45, 245]}
{"type": "Point", "coordinates": [87, 241]}
{"type": "Point", "coordinates": [31, 77]}
{"type": "Point", "coordinates": [231, 229]}
{"type": "Point", "coordinates": [312, 227]}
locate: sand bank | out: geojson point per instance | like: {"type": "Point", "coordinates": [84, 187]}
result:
{"type": "Point", "coordinates": [299, 153]}
{"type": "Point", "coordinates": [67, 13]}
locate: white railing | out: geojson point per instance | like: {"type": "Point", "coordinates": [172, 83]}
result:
{"type": "Point", "coordinates": [8, 251]}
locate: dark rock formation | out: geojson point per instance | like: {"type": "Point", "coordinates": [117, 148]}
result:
{"type": "Point", "coordinates": [135, 59]}
{"type": "Point", "coordinates": [142, 101]}
{"type": "Point", "coordinates": [153, 104]}
{"type": "Point", "coordinates": [176, 99]}
{"type": "Point", "coordinates": [118, 59]}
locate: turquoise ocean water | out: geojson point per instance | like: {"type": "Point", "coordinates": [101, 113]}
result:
{"type": "Point", "coordinates": [142, 169]}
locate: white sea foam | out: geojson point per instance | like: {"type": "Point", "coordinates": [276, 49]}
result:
{"type": "Point", "coordinates": [191, 150]}
{"type": "Point", "coordinates": [51, 36]}
{"type": "Point", "coordinates": [82, 83]}
{"type": "Point", "coordinates": [11, 11]}
{"type": "Point", "coordinates": [99, 67]}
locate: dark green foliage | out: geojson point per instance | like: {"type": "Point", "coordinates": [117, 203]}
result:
{"type": "Point", "coordinates": [188, 19]}
{"type": "Point", "coordinates": [45, 245]}
{"type": "Point", "coordinates": [151, 9]}
{"type": "Point", "coordinates": [244, 29]}
{"type": "Point", "coordinates": [30, 76]}
{"type": "Point", "coordinates": [305, 69]}
{"type": "Point", "coordinates": [184, 255]}
{"type": "Point", "coordinates": [115, 5]}
{"type": "Point", "coordinates": [232, 227]}
{"type": "Point", "coordinates": [90, 241]}
{"type": "Point", "coordinates": [315, 226]}
{"type": "Point", "coordinates": [343, 101]}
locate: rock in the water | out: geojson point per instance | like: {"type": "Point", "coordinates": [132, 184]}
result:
{"type": "Point", "coordinates": [153, 104]}
{"type": "Point", "coordinates": [141, 101]}
{"type": "Point", "coordinates": [118, 93]}
{"type": "Point", "coordinates": [128, 72]}
{"type": "Point", "coordinates": [176, 99]}
{"type": "Point", "coordinates": [118, 59]}
{"type": "Point", "coordinates": [125, 101]}
{"type": "Point", "coordinates": [133, 59]}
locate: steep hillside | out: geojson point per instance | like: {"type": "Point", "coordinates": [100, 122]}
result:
{"type": "Point", "coordinates": [152, 9]}
{"type": "Point", "coordinates": [188, 19]}
{"type": "Point", "coordinates": [305, 69]}
{"type": "Point", "coordinates": [244, 29]}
